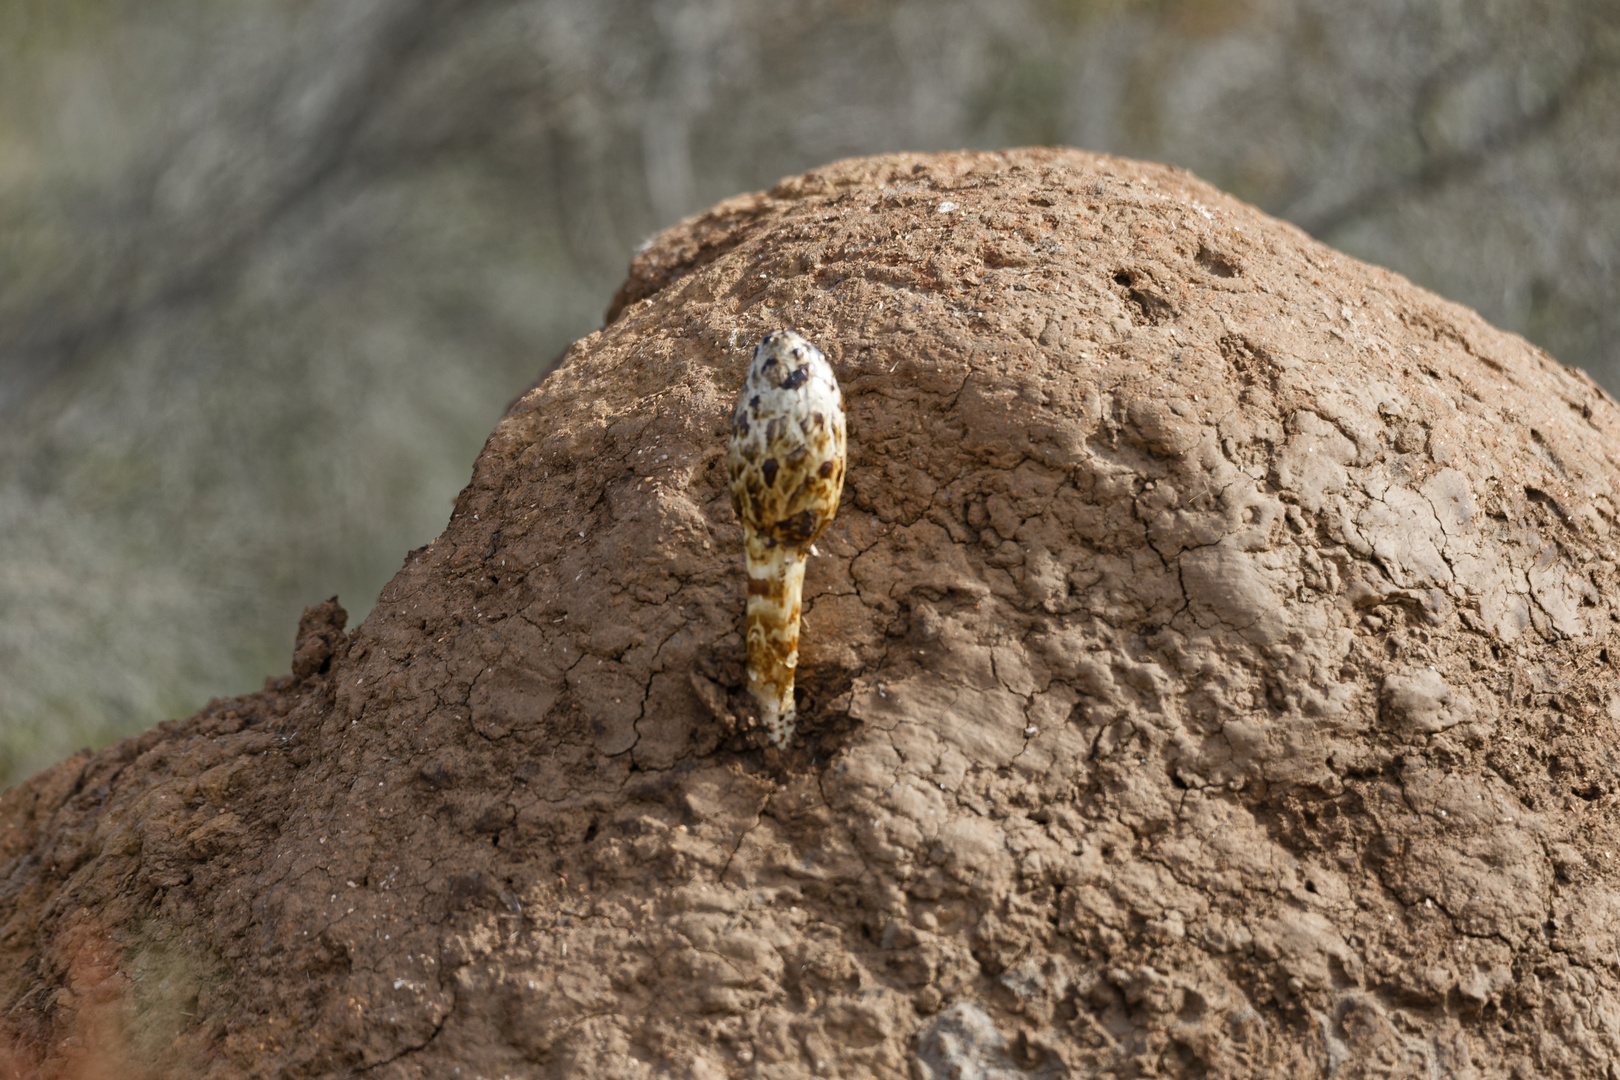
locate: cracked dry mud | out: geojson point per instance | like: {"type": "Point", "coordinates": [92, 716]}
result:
{"type": "Point", "coordinates": [1209, 673]}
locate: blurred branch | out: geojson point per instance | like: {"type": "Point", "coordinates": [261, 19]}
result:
{"type": "Point", "coordinates": [55, 339]}
{"type": "Point", "coordinates": [1445, 168]}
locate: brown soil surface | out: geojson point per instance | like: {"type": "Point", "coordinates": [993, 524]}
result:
{"type": "Point", "coordinates": [1208, 674]}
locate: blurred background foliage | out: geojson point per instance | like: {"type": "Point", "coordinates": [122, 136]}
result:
{"type": "Point", "coordinates": [271, 269]}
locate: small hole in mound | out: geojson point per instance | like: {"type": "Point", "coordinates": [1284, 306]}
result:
{"type": "Point", "coordinates": [1145, 303]}
{"type": "Point", "coordinates": [1541, 498]}
{"type": "Point", "coordinates": [1310, 886]}
{"type": "Point", "coordinates": [1216, 263]}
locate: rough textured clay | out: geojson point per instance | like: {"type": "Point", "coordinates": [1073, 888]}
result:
{"type": "Point", "coordinates": [786, 464]}
{"type": "Point", "coordinates": [1209, 672]}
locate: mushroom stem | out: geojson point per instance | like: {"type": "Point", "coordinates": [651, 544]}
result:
{"type": "Point", "coordinates": [775, 589]}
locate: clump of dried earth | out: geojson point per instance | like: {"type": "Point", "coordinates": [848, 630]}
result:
{"type": "Point", "coordinates": [1209, 672]}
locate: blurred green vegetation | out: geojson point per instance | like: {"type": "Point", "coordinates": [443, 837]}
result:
{"type": "Point", "coordinates": [270, 270]}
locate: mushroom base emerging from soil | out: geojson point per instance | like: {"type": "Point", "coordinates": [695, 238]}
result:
{"type": "Point", "coordinates": [1209, 673]}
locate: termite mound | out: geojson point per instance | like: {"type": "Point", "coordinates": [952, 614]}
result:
{"type": "Point", "coordinates": [1208, 672]}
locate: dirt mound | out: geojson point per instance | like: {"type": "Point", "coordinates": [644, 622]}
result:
{"type": "Point", "coordinates": [1208, 673]}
